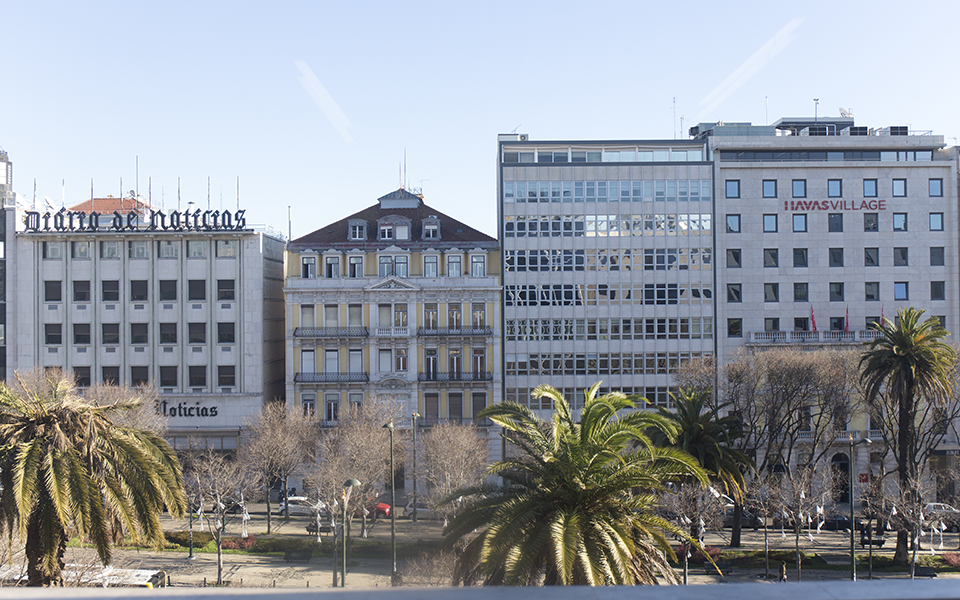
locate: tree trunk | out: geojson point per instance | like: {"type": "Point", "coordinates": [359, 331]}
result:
{"type": "Point", "coordinates": [766, 556]}
{"type": "Point", "coordinates": [904, 472]}
{"type": "Point", "coordinates": [286, 499]}
{"type": "Point", "coordinates": [219, 559]}
{"type": "Point", "coordinates": [34, 550]}
{"type": "Point", "coordinates": [735, 530]}
{"type": "Point", "coordinates": [796, 543]}
{"type": "Point", "coordinates": [267, 488]}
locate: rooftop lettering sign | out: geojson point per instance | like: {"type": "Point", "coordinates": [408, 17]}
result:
{"type": "Point", "coordinates": [804, 205]}
{"type": "Point", "coordinates": [66, 221]}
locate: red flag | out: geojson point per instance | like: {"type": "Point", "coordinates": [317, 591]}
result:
{"type": "Point", "coordinates": [813, 319]}
{"type": "Point", "coordinates": [846, 321]}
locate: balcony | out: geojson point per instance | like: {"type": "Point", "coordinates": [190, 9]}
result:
{"type": "Point", "coordinates": [394, 332]}
{"type": "Point", "coordinates": [842, 436]}
{"type": "Point", "coordinates": [330, 332]}
{"type": "Point", "coordinates": [443, 377]}
{"type": "Point", "coordinates": [815, 338]}
{"type": "Point", "coordinates": [358, 377]}
{"type": "Point", "coordinates": [454, 331]}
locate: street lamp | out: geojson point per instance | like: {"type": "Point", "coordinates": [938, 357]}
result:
{"type": "Point", "coordinates": [393, 509]}
{"type": "Point", "coordinates": [191, 500]}
{"type": "Point", "coordinates": [853, 551]}
{"type": "Point", "coordinates": [416, 425]}
{"type": "Point", "coordinates": [347, 489]}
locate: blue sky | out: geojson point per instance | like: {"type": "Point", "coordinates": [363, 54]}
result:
{"type": "Point", "coordinates": [213, 89]}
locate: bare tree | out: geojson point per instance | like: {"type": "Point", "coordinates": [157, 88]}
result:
{"type": "Point", "coordinates": [693, 507]}
{"type": "Point", "coordinates": [700, 375]}
{"type": "Point", "coordinates": [801, 495]}
{"type": "Point", "coordinates": [454, 457]}
{"type": "Point", "coordinates": [147, 416]}
{"type": "Point", "coordinates": [219, 484]}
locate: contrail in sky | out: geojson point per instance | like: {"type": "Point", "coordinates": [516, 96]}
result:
{"type": "Point", "coordinates": [749, 68]}
{"type": "Point", "coordinates": [324, 100]}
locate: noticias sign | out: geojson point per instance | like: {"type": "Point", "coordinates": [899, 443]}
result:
{"type": "Point", "coordinates": [80, 222]}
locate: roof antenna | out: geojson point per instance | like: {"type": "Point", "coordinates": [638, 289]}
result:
{"type": "Point", "coordinates": [816, 105]}
{"type": "Point", "coordinates": [516, 128]}
{"type": "Point", "coordinates": [674, 117]}
{"type": "Point", "coordinates": [238, 192]}
{"type": "Point", "coordinates": [404, 168]}
{"type": "Point", "coordinates": [208, 192]}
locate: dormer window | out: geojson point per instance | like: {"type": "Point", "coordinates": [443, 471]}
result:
{"type": "Point", "coordinates": [402, 232]}
{"type": "Point", "coordinates": [386, 232]}
{"type": "Point", "coordinates": [431, 231]}
{"type": "Point", "coordinates": [358, 231]}
{"type": "Point", "coordinates": [308, 267]}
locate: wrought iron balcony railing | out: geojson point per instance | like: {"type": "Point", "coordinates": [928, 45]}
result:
{"type": "Point", "coordinates": [358, 377]}
{"type": "Point", "coordinates": [484, 376]}
{"type": "Point", "coordinates": [327, 332]}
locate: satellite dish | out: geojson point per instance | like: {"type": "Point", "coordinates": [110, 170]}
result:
{"type": "Point", "coordinates": [846, 114]}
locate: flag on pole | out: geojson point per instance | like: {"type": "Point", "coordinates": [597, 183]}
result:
{"type": "Point", "coordinates": [846, 321]}
{"type": "Point", "coordinates": [881, 314]}
{"type": "Point", "coordinates": [813, 319]}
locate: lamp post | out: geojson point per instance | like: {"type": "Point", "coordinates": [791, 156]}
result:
{"type": "Point", "coordinates": [853, 550]}
{"type": "Point", "coordinates": [416, 425]}
{"type": "Point", "coordinates": [191, 500]}
{"type": "Point", "coordinates": [347, 489]}
{"type": "Point", "coordinates": [393, 509]}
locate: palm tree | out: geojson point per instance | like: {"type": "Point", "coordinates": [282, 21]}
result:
{"type": "Point", "coordinates": [576, 504]}
{"type": "Point", "coordinates": [66, 463]}
{"type": "Point", "coordinates": [909, 362]}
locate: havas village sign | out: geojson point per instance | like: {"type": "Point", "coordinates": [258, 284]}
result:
{"type": "Point", "coordinates": [794, 205]}
{"type": "Point", "coordinates": [78, 222]}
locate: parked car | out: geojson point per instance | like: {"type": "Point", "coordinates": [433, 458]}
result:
{"type": "Point", "coordinates": [836, 522]}
{"type": "Point", "coordinates": [301, 505]}
{"type": "Point", "coordinates": [380, 510]}
{"type": "Point", "coordinates": [948, 515]}
{"type": "Point", "coordinates": [424, 511]}
{"type": "Point", "coordinates": [747, 518]}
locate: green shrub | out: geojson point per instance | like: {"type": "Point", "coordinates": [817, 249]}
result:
{"type": "Point", "coordinates": [182, 538]}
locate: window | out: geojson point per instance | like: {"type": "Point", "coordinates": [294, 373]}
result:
{"type": "Point", "coordinates": [899, 221]}
{"type": "Point", "coordinates": [167, 249]}
{"type": "Point", "coordinates": [81, 334]}
{"type": "Point", "coordinates": [198, 376]}
{"type": "Point", "coordinates": [733, 223]}
{"type": "Point", "coordinates": [386, 360]}
{"type": "Point", "coordinates": [837, 323]}
{"type": "Point", "coordinates": [80, 250]}
{"type": "Point", "coordinates": [936, 256]}
{"type": "Point", "coordinates": [799, 257]}
{"type": "Point", "coordinates": [196, 249]}
{"type": "Point", "coordinates": [771, 292]}
{"type": "Point", "coordinates": [110, 290]}
{"type": "Point", "coordinates": [226, 249]}
{"type": "Point", "coordinates": [400, 359]}
{"type": "Point", "coordinates": [53, 250]}
{"type": "Point", "coordinates": [355, 266]}
{"type": "Point", "coordinates": [309, 404]}
{"type": "Point", "coordinates": [226, 289]}
{"type": "Point", "coordinates": [402, 232]}
{"type": "Point", "coordinates": [869, 188]}
{"type": "Point", "coordinates": [836, 257]}
{"type": "Point", "coordinates": [82, 376]}
{"type": "Point", "coordinates": [196, 333]}
{"type": "Point", "coordinates": [871, 257]}
{"type": "Point", "coordinates": [358, 231]}
{"type": "Point", "coordinates": [52, 291]}
{"type": "Point", "coordinates": [454, 315]}
{"type": "Point", "coordinates": [734, 293]}
{"type": "Point", "coordinates": [196, 290]}
{"type": "Point", "coordinates": [801, 324]}
{"type": "Point", "coordinates": [834, 188]}
{"type": "Point", "coordinates": [109, 250]}
{"type": "Point", "coordinates": [901, 257]}
{"type": "Point", "coordinates": [137, 250]}
{"type": "Point", "coordinates": [110, 334]}
{"type": "Point", "coordinates": [801, 292]}
{"type": "Point", "coordinates": [385, 266]}
{"type": "Point", "coordinates": [386, 232]}
{"type": "Point", "coordinates": [331, 267]}
{"type": "Point", "coordinates": [138, 334]}
{"type": "Point", "coordinates": [225, 333]}
{"type": "Point", "coordinates": [478, 315]}
{"type": "Point", "coordinates": [139, 376]}
{"type": "Point", "coordinates": [835, 222]}
{"type": "Point", "coordinates": [168, 333]}
{"type": "Point", "coordinates": [431, 231]}
{"type": "Point", "coordinates": [935, 188]}
{"type": "Point", "coordinates": [938, 290]}
{"type": "Point", "coordinates": [799, 188]}
{"type": "Point", "coordinates": [431, 266]}
{"type": "Point", "coordinates": [110, 375]}
{"type": "Point", "coordinates": [168, 377]}
{"type": "Point", "coordinates": [871, 222]}
{"type": "Point", "coordinates": [308, 267]}
{"type": "Point", "coordinates": [454, 268]}
{"type": "Point", "coordinates": [138, 290]}
{"type": "Point", "coordinates": [226, 376]}
{"type": "Point", "coordinates": [899, 188]}
{"type": "Point", "coordinates": [478, 266]}
{"type": "Point", "coordinates": [168, 289]}
{"type": "Point", "coordinates": [769, 188]}
{"type": "Point", "coordinates": [733, 258]}
{"type": "Point", "coordinates": [81, 291]}
{"type": "Point", "coordinates": [400, 268]}
{"type": "Point", "coordinates": [800, 223]}
{"type": "Point", "coordinates": [872, 291]}
{"type": "Point", "coordinates": [769, 223]}
{"type": "Point", "coordinates": [331, 407]}
{"type": "Point", "coordinates": [771, 324]}
{"type": "Point", "coordinates": [936, 221]}
{"type": "Point", "coordinates": [836, 292]}
{"type": "Point", "coordinates": [771, 257]}
{"type": "Point", "coordinates": [901, 290]}
{"type": "Point", "coordinates": [734, 327]}
{"type": "Point", "coordinates": [431, 318]}
{"type": "Point", "coordinates": [732, 188]}
{"type": "Point", "coordinates": [52, 334]}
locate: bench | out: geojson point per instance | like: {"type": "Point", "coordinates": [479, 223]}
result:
{"type": "Point", "coordinates": [919, 571]}
{"type": "Point", "coordinates": [298, 555]}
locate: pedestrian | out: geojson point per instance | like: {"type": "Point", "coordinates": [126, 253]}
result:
{"type": "Point", "coordinates": [783, 572]}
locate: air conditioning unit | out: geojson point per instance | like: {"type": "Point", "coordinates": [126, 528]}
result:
{"type": "Point", "coordinates": [523, 137]}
